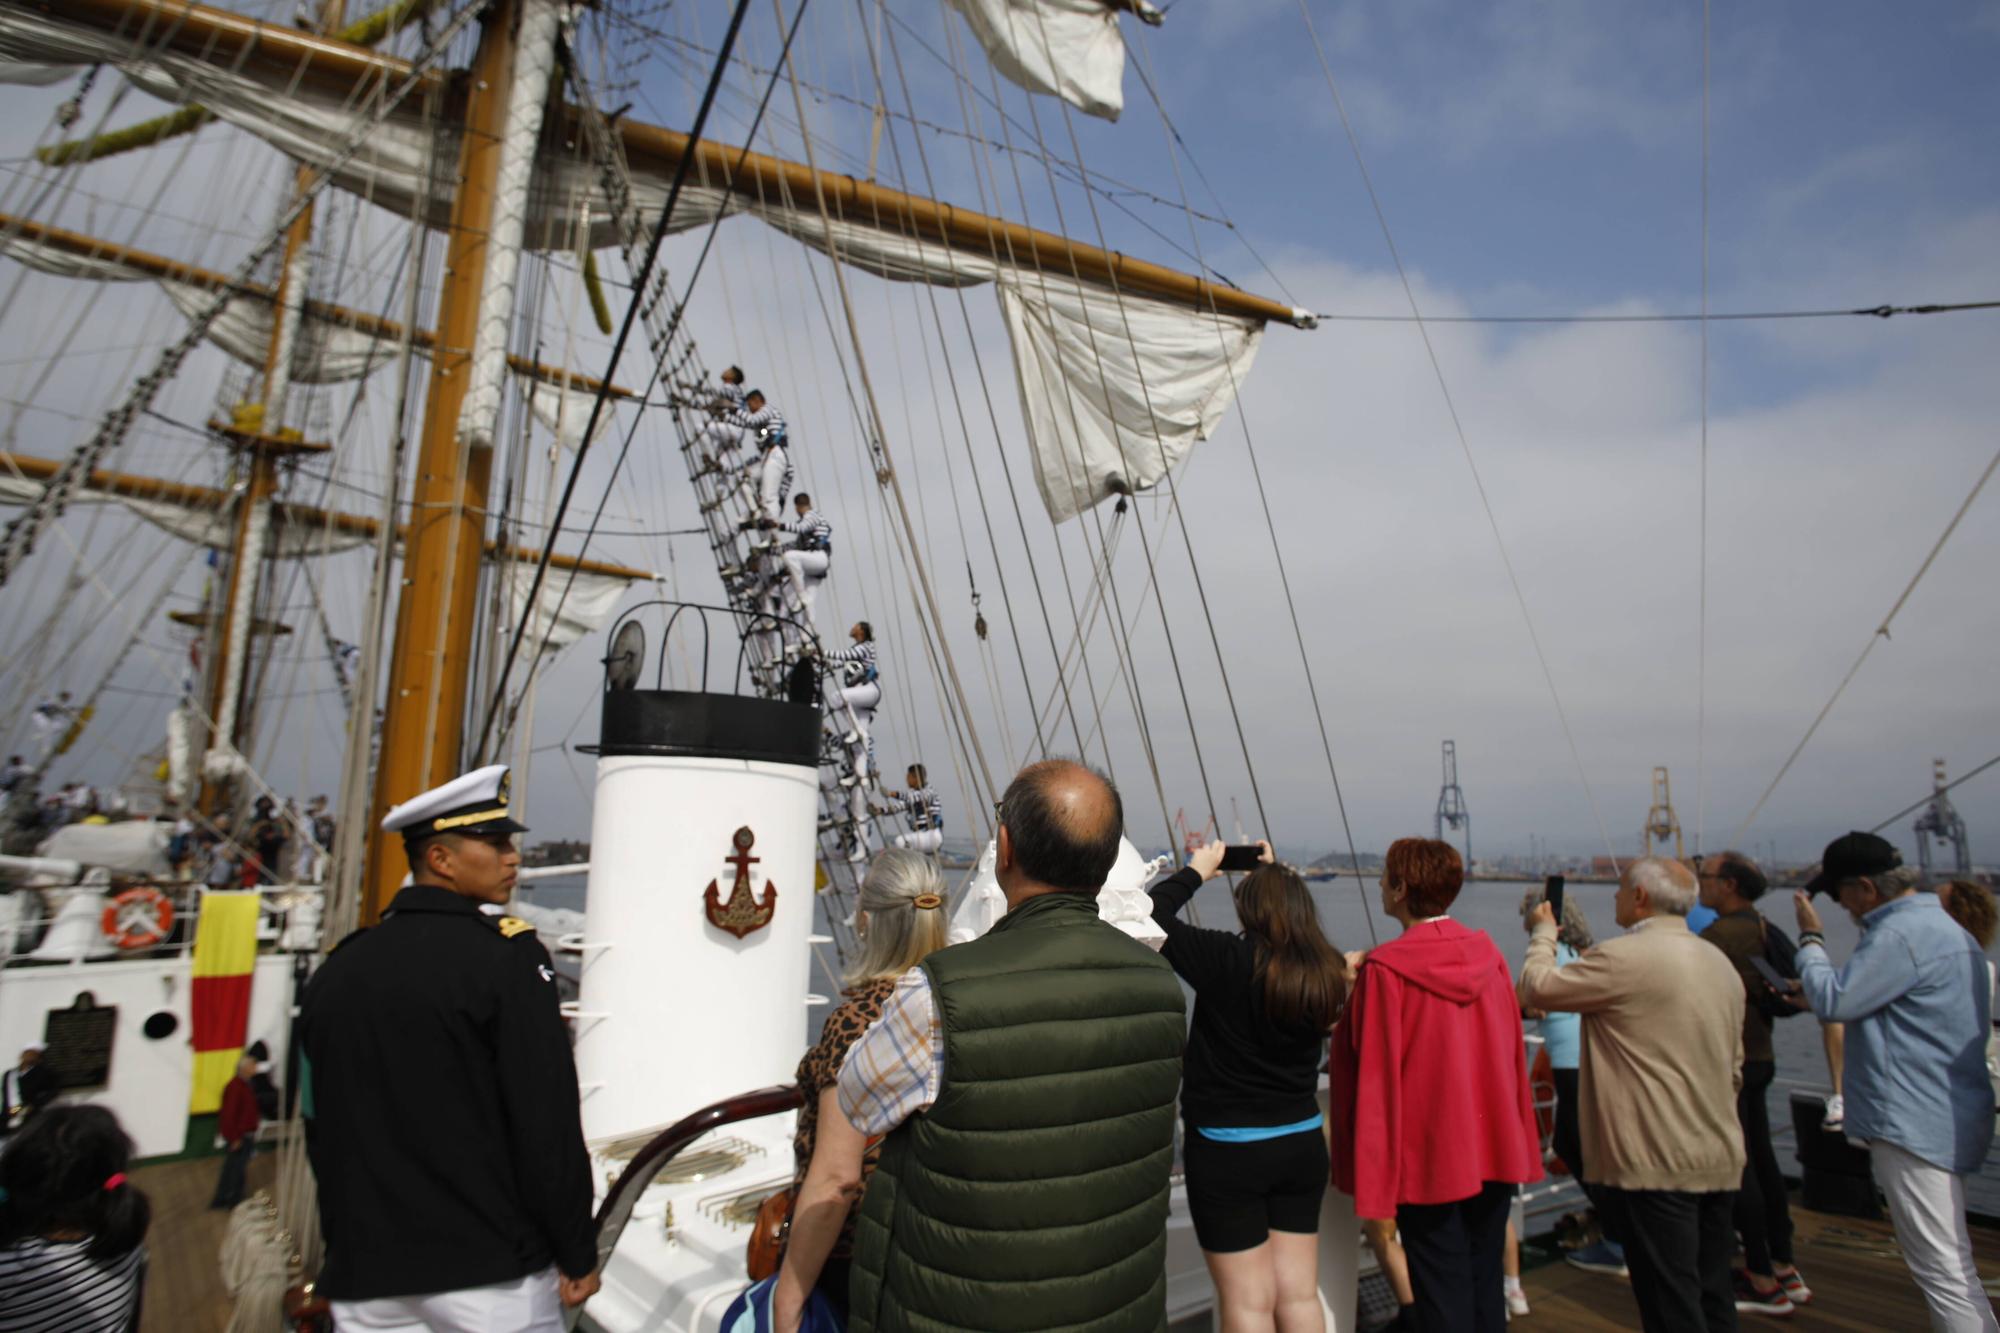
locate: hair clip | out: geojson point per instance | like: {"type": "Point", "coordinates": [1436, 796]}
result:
{"type": "Point", "coordinates": [926, 901]}
{"type": "Point", "coordinates": [114, 1180]}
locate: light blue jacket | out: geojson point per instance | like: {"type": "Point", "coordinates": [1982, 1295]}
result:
{"type": "Point", "coordinates": [1916, 1002]}
{"type": "Point", "coordinates": [1562, 1034]}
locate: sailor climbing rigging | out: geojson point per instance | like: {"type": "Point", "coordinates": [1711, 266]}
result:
{"type": "Point", "coordinates": [860, 695]}
{"type": "Point", "coordinates": [923, 811]}
{"type": "Point", "coordinates": [804, 565]}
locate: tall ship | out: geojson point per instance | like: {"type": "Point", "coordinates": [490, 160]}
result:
{"type": "Point", "coordinates": [712, 412]}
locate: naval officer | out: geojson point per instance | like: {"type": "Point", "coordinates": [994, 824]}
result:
{"type": "Point", "coordinates": [441, 1095]}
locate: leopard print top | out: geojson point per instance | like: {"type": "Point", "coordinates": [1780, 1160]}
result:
{"type": "Point", "coordinates": [819, 1070]}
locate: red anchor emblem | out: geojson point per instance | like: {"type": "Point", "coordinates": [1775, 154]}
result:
{"type": "Point", "coordinates": [742, 914]}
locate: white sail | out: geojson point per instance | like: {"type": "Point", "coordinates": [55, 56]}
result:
{"type": "Point", "coordinates": [1070, 49]}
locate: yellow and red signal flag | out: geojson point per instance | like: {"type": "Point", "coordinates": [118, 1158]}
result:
{"type": "Point", "coordinates": [225, 956]}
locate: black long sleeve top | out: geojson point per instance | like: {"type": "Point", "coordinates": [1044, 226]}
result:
{"type": "Point", "coordinates": [1240, 1071]}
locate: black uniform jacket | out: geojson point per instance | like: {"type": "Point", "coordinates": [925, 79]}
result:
{"type": "Point", "coordinates": [443, 1121]}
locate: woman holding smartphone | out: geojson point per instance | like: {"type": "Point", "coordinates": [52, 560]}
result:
{"type": "Point", "coordinates": [1255, 1146]}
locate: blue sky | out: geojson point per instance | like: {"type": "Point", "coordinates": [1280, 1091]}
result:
{"type": "Point", "coordinates": [1531, 157]}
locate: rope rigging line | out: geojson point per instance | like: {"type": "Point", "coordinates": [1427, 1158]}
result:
{"type": "Point", "coordinates": [1458, 428]}
{"type": "Point", "coordinates": [878, 436]}
{"type": "Point", "coordinates": [1880, 633]}
{"type": "Point", "coordinates": [1915, 806]}
{"type": "Point", "coordinates": [1179, 514]}
{"type": "Point", "coordinates": [1097, 561]}
{"type": "Point", "coordinates": [1277, 554]}
{"type": "Point", "coordinates": [640, 282]}
{"type": "Point", "coordinates": [21, 533]}
{"type": "Point", "coordinates": [1696, 317]}
{"type": "Point", "coordinates": [1701, 567]}
{"type": "Point", "coordinates": [986, 396]}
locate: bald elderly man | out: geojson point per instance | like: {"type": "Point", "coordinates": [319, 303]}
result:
{"type": "Point", "coordinates": [1662, 1058]}
{"type": "Point", "coordinates": [1026, 1083]}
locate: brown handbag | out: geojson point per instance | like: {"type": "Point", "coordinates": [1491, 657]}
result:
{"type": "Point", "coordinates": [768, 1235]}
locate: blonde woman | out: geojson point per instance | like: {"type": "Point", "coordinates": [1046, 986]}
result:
{"type": "Point", "coordinates": [901, 921]}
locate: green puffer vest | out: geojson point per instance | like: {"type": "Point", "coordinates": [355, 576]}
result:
{"type": "Point", "coordinates": [1033, 1194]}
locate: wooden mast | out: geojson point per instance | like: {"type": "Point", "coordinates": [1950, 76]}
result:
{"type": "Point", "coordinates": [430, 664]}
{"type": "Point", "coordinates": [260, 435]}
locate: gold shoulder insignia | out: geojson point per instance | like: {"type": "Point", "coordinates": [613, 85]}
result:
{"type": "Point", "coordinates": [510, 926]}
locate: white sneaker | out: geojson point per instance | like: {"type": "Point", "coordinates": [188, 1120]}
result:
{"type": "Point", "coordinates": [1836, 1113]}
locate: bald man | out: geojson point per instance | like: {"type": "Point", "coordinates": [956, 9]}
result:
{"type": "Point", "coordinates": [1662, 1059]}
{"type": "Point", "coordinates": [1026, 1081]}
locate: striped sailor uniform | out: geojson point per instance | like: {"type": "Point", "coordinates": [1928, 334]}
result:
{"type": "Point", "coordinates": [925, 813]}
{"type": "Point", "coordinates": [804, 566]}
{"type": "Point", "coordinates": [774, 481]}
{"type": "Point", "coordinates": [854, 715]}
{"type": "Point", "coordinates": [723, 432]}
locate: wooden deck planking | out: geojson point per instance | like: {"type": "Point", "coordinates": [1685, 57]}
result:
{"type": "Point", "coordinates": [1856, 1273]}
{"type": "Point", "coordinates": [184, 1292]}
{"type": "Point", "coordinates": [1853, 1267]}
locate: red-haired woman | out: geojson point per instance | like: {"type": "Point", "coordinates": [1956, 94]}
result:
{"type": "Point", "coordinates": [1255, 1146]}
{"type": "Point", "coordinates": [1433, 1123]}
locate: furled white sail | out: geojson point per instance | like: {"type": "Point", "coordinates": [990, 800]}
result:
{"type": "Point", "coordinates": [1160, 378]}
{"type": "Point", "coordinates": [1070, 49]}
{"type": "Point", "coordinates": [591, 600]}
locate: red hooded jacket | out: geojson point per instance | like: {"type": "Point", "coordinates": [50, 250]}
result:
{"type": "Point", "coordinates": [1429, 1078]}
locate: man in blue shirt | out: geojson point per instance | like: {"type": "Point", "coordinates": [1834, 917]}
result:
{"type": "Point", "coordinates": [1915, 1000]}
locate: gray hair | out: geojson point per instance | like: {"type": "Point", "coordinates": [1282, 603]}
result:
{"type": "Point", "coordinates": [1670, 886]}
{"type": "Point", "coordinates": [1573, 930]}
{"type": "Point", "coordinates": [903, 895]}
{"type": "Point", "coordinates": [1890, 883]}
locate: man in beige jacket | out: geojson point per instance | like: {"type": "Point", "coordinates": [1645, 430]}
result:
{"type": "Point", "coordinates": [1662, 1057]}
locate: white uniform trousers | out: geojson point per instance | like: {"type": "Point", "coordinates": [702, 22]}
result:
{"type": "Point", "coordinates": [807, 570]}
{"type": "Point", "coordinates": [1927, 1205]}
{"type": "Point", "coordinates": [526, 1305]}
{"type": "Point", "coordinates": [923, 840]}
{"type": "Point", "coordinates": [718, 435]}
{"type": "Point", "coordinates": [770, 477]}
{"type": "Point", "coordinates": [854, 716]}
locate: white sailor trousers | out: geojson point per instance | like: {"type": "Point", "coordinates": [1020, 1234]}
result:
{"type": "Point", "coordinates": [526, 1305]}
{"type": "Point", "coordinates": [922, 840]}
{"type": "Point", "coordinates": [1927, 1206]}
{"type": "Point", "coordinates": [770, 483]}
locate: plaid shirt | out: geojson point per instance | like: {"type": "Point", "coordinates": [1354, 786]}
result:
{"type": "Point", "coordinates": [896, 1068]}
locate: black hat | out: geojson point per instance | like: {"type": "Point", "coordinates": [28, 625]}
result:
{"type": "Point", "coordinates": [1856, 856]}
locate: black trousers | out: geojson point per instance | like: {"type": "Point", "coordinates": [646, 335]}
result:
{"type": "Point", "coordinates": [1763, 1213]}
{"type": "Point", "coordinates": [229, 1185]}
{"type": "Point", "coordinates": [1569, 1146]}
{"type": "Point", "coordinates": [1678, 1246]}
{"type": "Point", "coordinates": [1454, 1251]}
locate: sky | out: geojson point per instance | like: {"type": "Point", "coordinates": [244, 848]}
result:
{"type": "Point", "coordinates": [1529, 159]}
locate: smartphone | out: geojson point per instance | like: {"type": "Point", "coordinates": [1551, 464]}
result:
{"type": "Point", "coordinates": [1242, 858]}
{"type": "Point", "coordinates": [1772, 977]}
{"type": "Point", "coordinates": [1552, 889]}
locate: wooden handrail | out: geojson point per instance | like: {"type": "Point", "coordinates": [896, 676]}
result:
{"type": "Point", "coordinates": [668, 1144]}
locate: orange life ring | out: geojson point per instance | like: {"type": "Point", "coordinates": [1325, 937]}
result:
{"type": "Point", "coordinates": [139, 918]}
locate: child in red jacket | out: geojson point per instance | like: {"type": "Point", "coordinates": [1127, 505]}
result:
{"type": "Point", "coordinates": [1432, 1121]}
{"type": "Point", "coordinates": [238, 1127]}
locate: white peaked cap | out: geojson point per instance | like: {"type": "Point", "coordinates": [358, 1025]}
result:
{"type": "Point", "coordinates": [473, 803]}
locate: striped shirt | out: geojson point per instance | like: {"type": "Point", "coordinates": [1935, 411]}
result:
{"type": "Point", "coordinates": [54, 1287]}
{"type": "Point", "coordinates": [813, 532]}
{"type": "Point", "coordinates": [896, 1068]}
{"type": "Point", "coordinates": [859, 658]}
{"type": "Point", "coordinates": [730, 396]}
{"type": "Point", "coordinates": [745, 419]}
{"type": "Point", "coordinates": [926, 811]}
